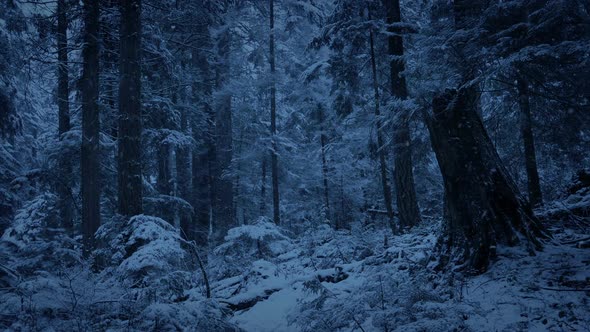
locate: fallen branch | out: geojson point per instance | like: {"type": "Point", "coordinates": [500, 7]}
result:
{"type": "Point", "coordinates": [358, 324]}
{"type": "Point", "coordinates": [566, 289]}
{"type": "Point", "coordinates": [575, 241]}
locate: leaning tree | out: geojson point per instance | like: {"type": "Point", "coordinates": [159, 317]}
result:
{"type": "Point", "coordinates": [483, 206]}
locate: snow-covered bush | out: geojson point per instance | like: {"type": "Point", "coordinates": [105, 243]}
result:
{"type": "Point", "coordinates": [148, 254]}
{"type": "Point", "coordinates": [34, 240]}
{"type": "Point", "coordinates": [157, 267]}
{"type": "Point", "coordinates": [362, 281]}
{"type": "Point", "coordinates": [326, 247]}
{"type": "Point", "coordinates": [49, 283]}
{"type": "Point", "coordinates": [200, 315]}
{"type": "Point", "coordinates": [245, 244]}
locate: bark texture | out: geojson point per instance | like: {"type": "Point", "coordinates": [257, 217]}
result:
{"type": "Point", "coordinates": [407, 204]}
{"type": "Point", "coordinates": [90, 150]}
{"type": "Point", "coordinates": [483, 207]}
{"type": "Point", "coordinates": [129, 140]}
{"type": "Point", "coordinates": [530, 155]}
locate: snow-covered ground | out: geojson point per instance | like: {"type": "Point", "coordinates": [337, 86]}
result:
{"type": "Point", "coordinates": [264, 278]}
{"type": "Point", "coordinates": [358, 280]}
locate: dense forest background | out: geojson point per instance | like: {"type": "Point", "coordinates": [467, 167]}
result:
{"type": "Point", "coordinates": [304, 165]}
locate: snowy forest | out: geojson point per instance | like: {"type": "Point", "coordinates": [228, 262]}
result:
{"type": "Point", "coordinates": [295, 165]}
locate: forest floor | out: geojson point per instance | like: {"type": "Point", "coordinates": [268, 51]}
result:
{"type": "Point", "coordinates": [265, 278]}
{"type": "Point", "coordinates": [359, 280]}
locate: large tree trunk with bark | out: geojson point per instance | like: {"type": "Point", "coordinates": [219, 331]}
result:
{"type": "Point", "coordinates": [63, 96]}
{"type": "Point", "coordinates": [90, 150]}
{"type": "Point", "coordinates": [407, 204]}
{"type": "Point", "coordinates": [483, 207]}
{"type": "Point", "coordinates": [129, 140]}
{"type": "Point", "coordinates": [526, 129]}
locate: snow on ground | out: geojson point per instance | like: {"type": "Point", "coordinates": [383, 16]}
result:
{"type": "Point", "coordinates": [271, 314]}
{"type": "Point", "coordinates": [361, 281]}
{"type": "Point", "coordinates": [532, 293]}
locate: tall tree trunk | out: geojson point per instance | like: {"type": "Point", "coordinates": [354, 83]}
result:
{"type": "Point", "coordinates": [90, 150]}
{"type": "Point", "coordinates": [201, 202]}
{"type": "Point", "coordinates": [212, 168]}
{"type": "Point", "coordinates": [110, 23]}
{"type": "Point", "coordinates": [202, 155]}
{"type": "Point", "coordinates": [63, 96]}
{"type": "Point", "coordinates": [129, 140]}
{"type": "Point", "coordinates": [163, 183]}
{"type": "Point", "coordinates": [407, 204]}
{"type": "Point", "coordinates": [63, 90]}
{"type": "Point", "coordinates": [273, 123]}
{"type": "Point", "coordinates": [380, 144]}
{"type": "Point", "coordinates": [110, 50]}
{"type": "Point", "coordinates": [526, 129]}
{"type": "Point", "coordinates": [483, 207]}
{"type": "Point", "coordinates": [324, 143]}
{"type": "Point", "coordinates": [223, 212]}
{"type": "Point", "coordinates": [343, 218]}
{"type": "Point", "coordinates": [183, 173]}
{"type": "Point", "coordinates": [238, 179]}
{"type": "Point", "coordinates": [263, 187]}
